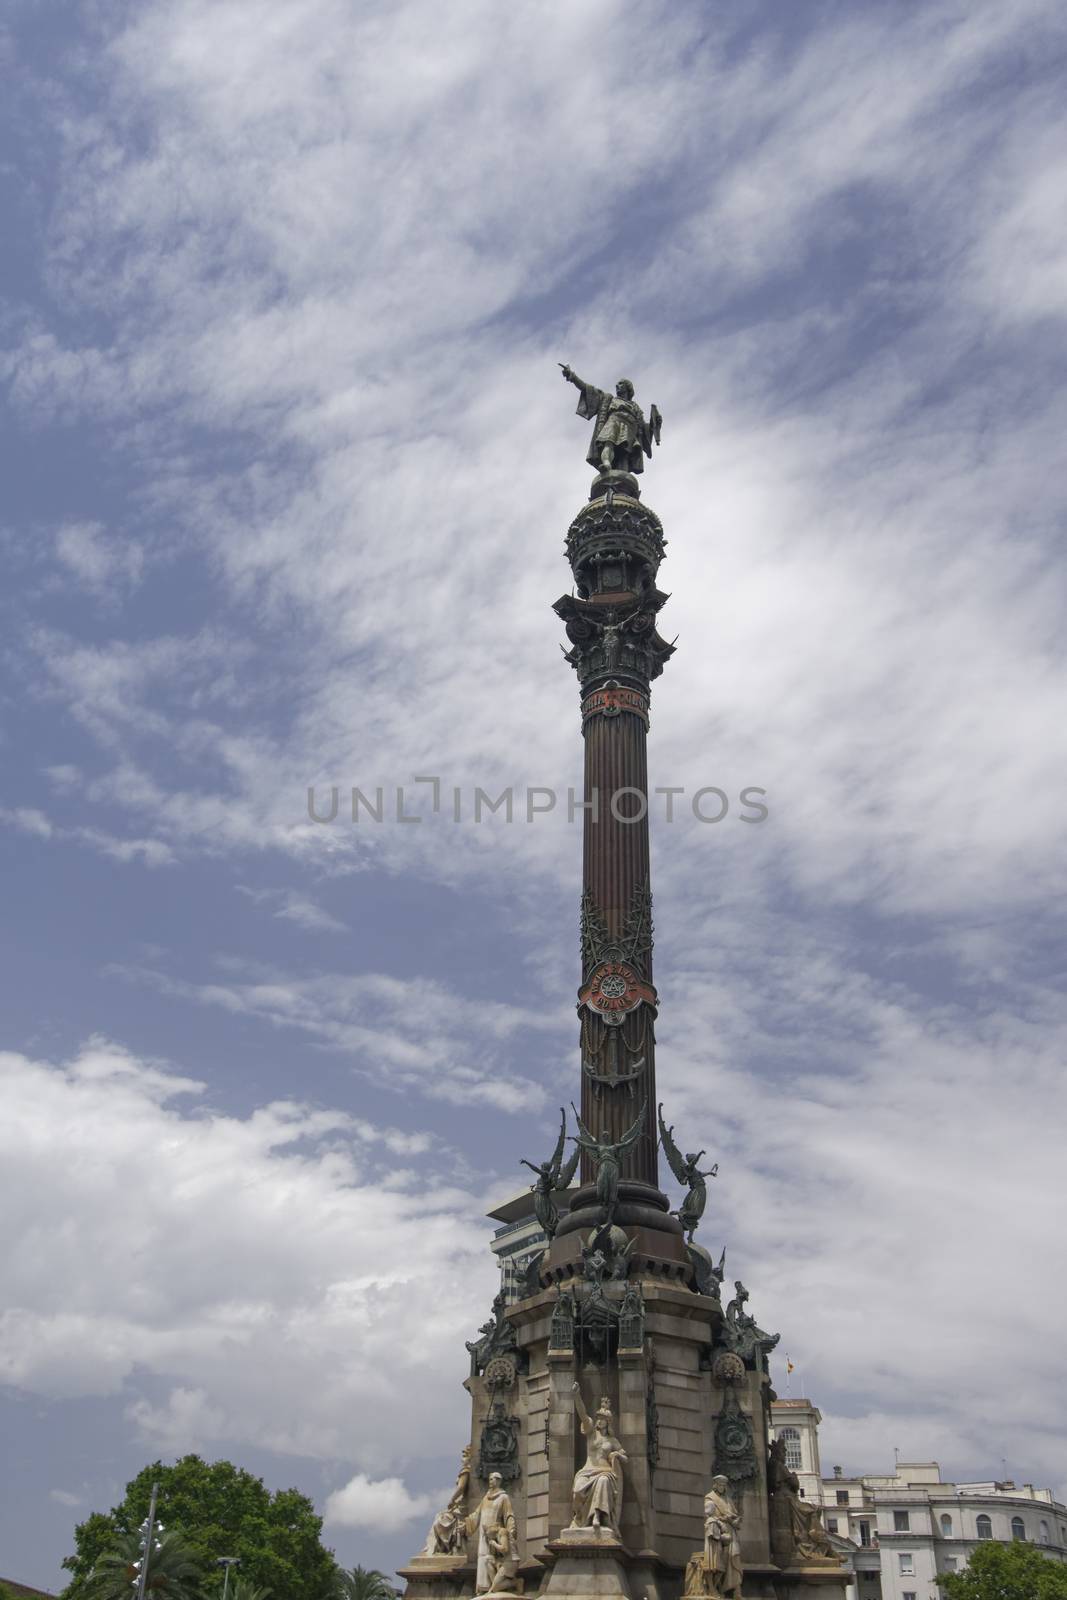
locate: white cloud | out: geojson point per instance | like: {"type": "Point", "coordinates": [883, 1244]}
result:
{"type": "Point", "coordinates": [27, 819]}
{"type": "Point", "coordinates": [231, 1261]}
{"type": "Point", "coordinates": [64, 1497]}
{"type": "Point", "coordinates": [100, 562]}
{"type": "Point", "coordinates": [364, 252]}
{"type": "Point", "coordinates": [186, 1414]}
{"type": "Point", "coordinates": [297, 908]}
{"type": "Point", "coordinates": [886, 1171]}
{"type": "Point", "coordinates": [303, 911]}
{"type": "Point", "coordinates": [403, 1032]}
{"type": "Point", "coordinates": [64, 776]}
{"type": "Point", "coordinates": [149, 852]}
{"type": "Point", "coordinates": [857, 526]}
{"type": "Point", "coordinates": [383, 1503]}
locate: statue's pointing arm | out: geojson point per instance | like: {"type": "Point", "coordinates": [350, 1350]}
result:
{"type": "Point", "coordinates": [590, 397]}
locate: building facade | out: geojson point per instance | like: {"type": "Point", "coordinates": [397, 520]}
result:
{"type": "Point", "coordinates": [899, 1532]}
{"type": "Point", "coordinates": [517, 1240]}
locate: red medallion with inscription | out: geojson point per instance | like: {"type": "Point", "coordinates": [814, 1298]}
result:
{"type": "Point", "coordinates": [613, 699]}
{"type": "Point", "coordinates": [614, 988]}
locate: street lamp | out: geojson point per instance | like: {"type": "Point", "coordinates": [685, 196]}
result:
{"type": "Point", "coordinates": [227, 1562]}
{"type": "Point", "coordinates": [148, 1530]}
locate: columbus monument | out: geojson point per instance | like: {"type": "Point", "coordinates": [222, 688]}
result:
{"type": "Point", "coordinates": [620, 1409]}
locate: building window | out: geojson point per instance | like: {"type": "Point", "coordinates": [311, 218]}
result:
{"type": "Point", "coordinates": [865, 1535]}
{"type": "Point", "coordinates": [1018, 1528]}
{"type": "Point", "coordinates": [946, 1526]}
{"type": "Point", "coordinates": [950, 1563]}
{"type": "Point", "coordinates": [908, 1594]}
{"type": "Point", "coordinates": [1042, 1532]}
{"type": "Point", "coordinates": [900, 1522]}
{"type": "Point", "coordinates": [831, 1524]}
{"type": "Point", "coordinates": [907, 1564]}
{"type": "Point", "coordinates": [842, 1497]}
{"type": "Point", "coordinates": [984, 1527]}
{"type": "Point", "coordinates": [794, 1460]}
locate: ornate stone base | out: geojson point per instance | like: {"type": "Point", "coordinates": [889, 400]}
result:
{"type": "Point", "coordinates": [588, 1561]}
{"type": "Point", "coordinates": [618, 482]}
{"type": "Point", "coordinates": [439, 1577]}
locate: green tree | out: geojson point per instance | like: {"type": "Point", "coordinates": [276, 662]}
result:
{"type": "Point", "coordinates": [363, 1583]}
{"type": "Point", "coordinates": [174, 1570]}
{"type": "Point", "coordinates": [222, 1511]}
{"type": "Point", "coordinates": [244, 1589]}
{"type": "Point", "coordinates": [1014, 1571]}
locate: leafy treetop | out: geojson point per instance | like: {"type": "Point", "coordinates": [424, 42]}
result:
{"type": "Point", "coordinates": [222, 1511]}
{"type": "Point", "coordinates": [1014, 1571]}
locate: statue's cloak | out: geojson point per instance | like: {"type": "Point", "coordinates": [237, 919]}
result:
{"type": "Point", "coordinates": [617, 422]}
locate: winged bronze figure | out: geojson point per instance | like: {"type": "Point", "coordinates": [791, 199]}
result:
{"type": "Point", "coordinates": [686, 1170]}
{"type": "Point", "coordinates": [552, 1175]}
{"type": "Point", "coordinates": [607, 1156]}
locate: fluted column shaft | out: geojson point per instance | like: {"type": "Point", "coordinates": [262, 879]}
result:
{"type": "Point", "coordinates": [615, 874]}
{"type": "Point", "coordinates": [615, 545]}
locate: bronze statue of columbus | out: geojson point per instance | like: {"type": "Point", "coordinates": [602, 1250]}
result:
{"type": "Point", "coordinates": [621, 435]}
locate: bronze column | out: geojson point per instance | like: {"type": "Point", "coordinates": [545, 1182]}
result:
{"type": "Point", "coordinates": [615, 545]}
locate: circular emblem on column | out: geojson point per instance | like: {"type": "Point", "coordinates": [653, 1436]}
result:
{"type": "Point", "coordinates": [612, 700]}
{"type": "Point", "coordinates": [500, 1373]}
{"type": "Point", "coordinates": [728, 1368]}
{"type": "Point", "coordinates": [613, 988]}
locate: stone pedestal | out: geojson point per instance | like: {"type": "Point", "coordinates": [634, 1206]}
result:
{"type": "Point", "coordinates": [683, 1410]}
{"type": "Point", "coordinates": [585, 1562]}
{"type": "Point", "coordinates": [439, 1577]}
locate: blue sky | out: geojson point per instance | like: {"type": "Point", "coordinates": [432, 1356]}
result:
{"type": "Point", "coordinates": [288, 465]}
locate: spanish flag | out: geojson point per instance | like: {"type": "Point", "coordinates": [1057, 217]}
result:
{"type": "Point", "coordinates": [788, 1364]}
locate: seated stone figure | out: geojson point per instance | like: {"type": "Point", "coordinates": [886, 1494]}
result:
{"type": "Point", "coordinates": [597, 1493]}
{"type": "Point", "coordinates": [797, 1533]}
{"type": "Point", "coordinates": [447, 1535]}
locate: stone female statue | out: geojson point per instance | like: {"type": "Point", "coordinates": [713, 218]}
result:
{"type": "Point", "coordinates": [597, 1493]}
{"type": "Point", "coordinates": [447, 1535]}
